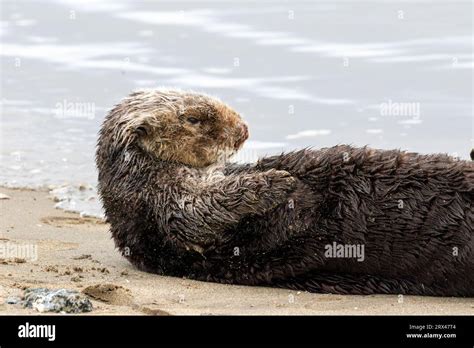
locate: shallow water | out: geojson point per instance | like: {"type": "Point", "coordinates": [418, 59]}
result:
{"type": "Point", "coordinates": [385, 74]}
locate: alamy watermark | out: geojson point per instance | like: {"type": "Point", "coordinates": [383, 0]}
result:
{"type": "Point", "coordinates": [402, 109]}
{"type": "Point", "coordinates": [68, 109]}
{"type": "Point", "coordinates": [336, 250]}
{"type": "Point", "coordinates": [9, 250]}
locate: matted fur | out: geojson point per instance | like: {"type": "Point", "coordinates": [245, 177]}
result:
{"type": "Point", "coordinates": [177, 208]}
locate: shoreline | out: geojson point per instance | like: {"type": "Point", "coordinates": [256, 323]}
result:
{"type": "Point", "coordinates": [77, 253]}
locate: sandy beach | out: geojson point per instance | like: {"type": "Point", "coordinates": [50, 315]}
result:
{"type": "Point", "coordinates": [77, 253]}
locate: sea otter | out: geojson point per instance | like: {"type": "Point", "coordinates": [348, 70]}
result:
{"type": "Point", "coordinates": [339, 220]}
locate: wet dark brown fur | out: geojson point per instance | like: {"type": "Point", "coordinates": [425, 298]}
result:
{"type": "Point", "coordinates": [177, 208]}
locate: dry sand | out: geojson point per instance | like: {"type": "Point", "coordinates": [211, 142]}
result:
{"type": "Point", "coordinates": [77, 253]}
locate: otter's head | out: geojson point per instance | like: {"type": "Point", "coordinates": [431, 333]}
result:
{"type": "Point", "coordinates": [172, 125]}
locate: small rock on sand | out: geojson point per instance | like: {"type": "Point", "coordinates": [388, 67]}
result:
{"type": "Point", "coordinates": [12, 300]}
{"type": "Point", "coordinates": [4, 196]}
{"type": "Point", "coordinates": [83, 257]}
{"type": "Point", "coordinates": [109, 293]}
{"type": "Point", "coordinates": [62, 300]}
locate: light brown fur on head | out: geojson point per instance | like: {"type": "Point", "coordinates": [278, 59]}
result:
{"type": "Point", "coordinates": [179, 126]}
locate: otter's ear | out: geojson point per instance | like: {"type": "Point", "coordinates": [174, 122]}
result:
{"type": "Point", "coordinates": [141, 131]}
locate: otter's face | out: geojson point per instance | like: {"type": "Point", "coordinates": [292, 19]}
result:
{"type": "Point", "coordinates": [189, 128]}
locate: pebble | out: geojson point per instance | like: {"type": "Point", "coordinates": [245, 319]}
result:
{"type": "Point", "coordinates": [12, 300]}
{"type": "Point", "coordinates": [61, 300]}
{"type": "Point", "coordinates": [4, 196]}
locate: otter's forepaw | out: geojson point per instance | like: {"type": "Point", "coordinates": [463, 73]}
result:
{"type": "Point", "coordinates": [279, 184]}
{"type": "Point", "coordinates": [280, 180]}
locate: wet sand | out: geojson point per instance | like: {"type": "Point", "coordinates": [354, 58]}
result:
{"type": "Point", "coordinates": [77, 254]}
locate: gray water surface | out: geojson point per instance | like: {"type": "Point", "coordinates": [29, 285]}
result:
{"type": "Point", "coordinates": [302, 73]}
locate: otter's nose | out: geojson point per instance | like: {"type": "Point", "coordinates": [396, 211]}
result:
{"type": "Point", "coordinates": [242, 135]}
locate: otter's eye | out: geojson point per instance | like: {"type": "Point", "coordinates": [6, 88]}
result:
{"type": "Point", "coordinates": [193, 120]}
